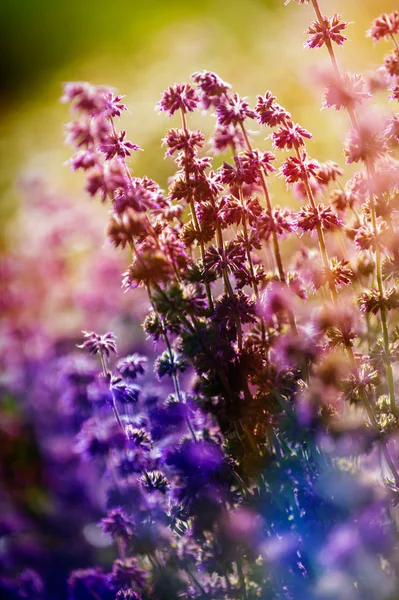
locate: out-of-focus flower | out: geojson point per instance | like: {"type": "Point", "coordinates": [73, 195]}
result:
{"type": "Point", "coordinates": [384, 26]}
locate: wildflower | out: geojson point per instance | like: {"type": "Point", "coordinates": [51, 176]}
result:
{"type": "Point", "coordinates": [230, 259]}
{"type": "Point", "coordinates": [243, 171]}
{"type": "Point", "coordinates": [391, 63]}
{"type": "Point", "coordinates": [180, 96]}
{"type": "Point", "coordinates": [230, 309]}
{"type": "Point", "coordinates": [117, 524]}
{"type": "Point", "coordinates": [329, 29]}
{"type": "Point", "coordinates": [86, 97]}
{"type": "Point", "coordinates": [359, 382]}
{"type": "Point", "coordinates": [346, 92]}
{"type": "Point", "coordinates": [233, 110]}
{"type": "Point", "coordinates": [138, 438]}
{"type": "Point", "coordinates": [328, 172]}
{"type": "Point", "coordinates": [170, 363]}
{"type": "Point", "coordinates": [124, 392]}
{"type": "Point", "coordinates": [127, 572]}
{"type": "Point", "coordinates": [339, 273]}
{"type": "Point", "coordinates": [269, 113]}
{"type": "Point", "coordinates": [128, 594]}
{"type": "Point", "coordinates": [154, 481]}
{"type": "Point", "coordinates": [116, 145]}
{"type": "Point", "coordinates": [298, 169]}
{"type": "Point", "coordinates": [372, 300]}
{"type": "Point", "coordinates": [146, 267]}
{"type": "Point", "coordinates": [309, 218]}
{"type": "Point", "coordinates": [227, 137]}
{"type": "Point", "coordinates": [384, 26]}
{"type": "Point", "coordinates": [132, 366]}
{"type": "Point", "coordinates": [99, 344]}
{"type": "Point", "coordinates": [364, 143]}
{"type": "Point", "coordinates": [84, 159]}
{"type": "Point", "coordinates": [211, 86]}
{"type": "Point", "coordinates": [289, 136]}
{"type": "Point", "coordinates": [183, 140]}
{"type": "Point", "coordinates": [280, 221]}
{"type": "Point", "coordinates": [88, 583]}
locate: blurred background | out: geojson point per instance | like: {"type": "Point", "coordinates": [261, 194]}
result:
{"type": "Point", "coordinates": [57, 276]}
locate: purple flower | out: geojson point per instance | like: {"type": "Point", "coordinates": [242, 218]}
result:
{"type": "Point", "coordinates": [180, 96]}
{"type": "Point", "coordinates": [132, 366]}
{"type": "Point", "coordinates": [211, 86]}
{"type": "Point", "coordinates": [88, 584]}
{"type": "Point", "coordinates": [99, 344]}
{"type": "Point", "coordinates": [116, 145]}
{"type": "Point", "coordinates": [117, 524]}
{"type": "Point", "coordinates": [126, 572]}
{"type": "Point", "coordinates": [233, 110]}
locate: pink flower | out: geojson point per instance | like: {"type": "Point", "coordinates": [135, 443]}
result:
{"type": "Point", "coordinates": [298, 169]}
{"type": "Point", "coordinates": [183, 140]}
{"type": "Point", "coordinates": [181, 96]}
{"type": "Point", "coordinates": [328, 29]}
{"type": "Point", "coordinates": [290, 136]}
{"type": "Point", "coordinates": [346, 92]}
{"type": "Point", "coordinates": [233, 110]}
{"type": "Point", "coordinates": [117, 146]}
{"type": "Point", "coordinates": [227, 137]}
{"type": "Point", "coordinates": [269, 113]}
{"type": "Point", "coordinates": [384, 26]}
{"type": "Point", "coordinates": [211, 86]}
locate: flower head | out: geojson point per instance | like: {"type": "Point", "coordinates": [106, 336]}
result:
{"type": "Point", "coordinates": [181, 96]}
{"type": "Point", "coordinates": [211, 87]}
{"type": "Point", "coordinates": [99, 344]}
{"type": "Point", "coordinates": [329, 29]}
{"type": "Point", "coordinates": [233, 110]}
{"type": "Point", "coordinates": [384, 26]}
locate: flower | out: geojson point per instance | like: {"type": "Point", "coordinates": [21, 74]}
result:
{"type": "Point", "coordinates": [127, 572]}
{"type": "Point", "coordinates": [183, 140]}
{"type": "Point", "coordinates": [298, 169]}
{"type": "Point", "coordinates": [132, 366]}
{"type": "Point", "coordinates": [328, 29]}
{"type": "Point", "coordinates": [233, 110]}
{"type": "Point", "coordinates": [345, 92]}
{"type": "Point", "coordinates": [181, 96]}
{"type": "Point", "coordinates": [96, 343]}
{"type": "Point", "coordinates": [384, 26]}
{"type": "Point", "coordinates": [116, 145]}
{"type": "Point", "coordinates": [211, 86]}
{"type": "Point", "coordinates": [289, 136]}
{"type": "Point", "coordinates": [227, 137]}
{"type": "Point", "coordinates": [117, 524]}
{"type": "Point", "coordinates": [269, 113]}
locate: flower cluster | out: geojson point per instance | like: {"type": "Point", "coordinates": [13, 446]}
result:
{"type": "Point", "coordinates": [260, 460]}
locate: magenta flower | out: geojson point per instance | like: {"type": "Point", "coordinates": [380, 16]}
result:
{"type": "Point", "coordinates": [181, 96]}
{"type": "Point", "coordinates": [270, 113]}
{"type": "Point", "coordinates": [227, 137]}
{"type": "Point", "coordinates": [328, 29]}
{"type": "Point", "coordinates": [289, 136]}
{"type": "Point", "coordinates": [178, 140]}
{"type": "Point", "coordinates": [117, 146]}
{"type": "Point", "coordinates": [211, 86]}
{"type": "Point", "coordinates": [298, 169]}
{"type": "Point", "coordinates": [233, 110]}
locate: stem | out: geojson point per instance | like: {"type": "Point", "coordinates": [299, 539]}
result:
{"type": "Point", "coordinates": [194, 218]}
{"type": "Point", "coordinates": [276, 247]}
